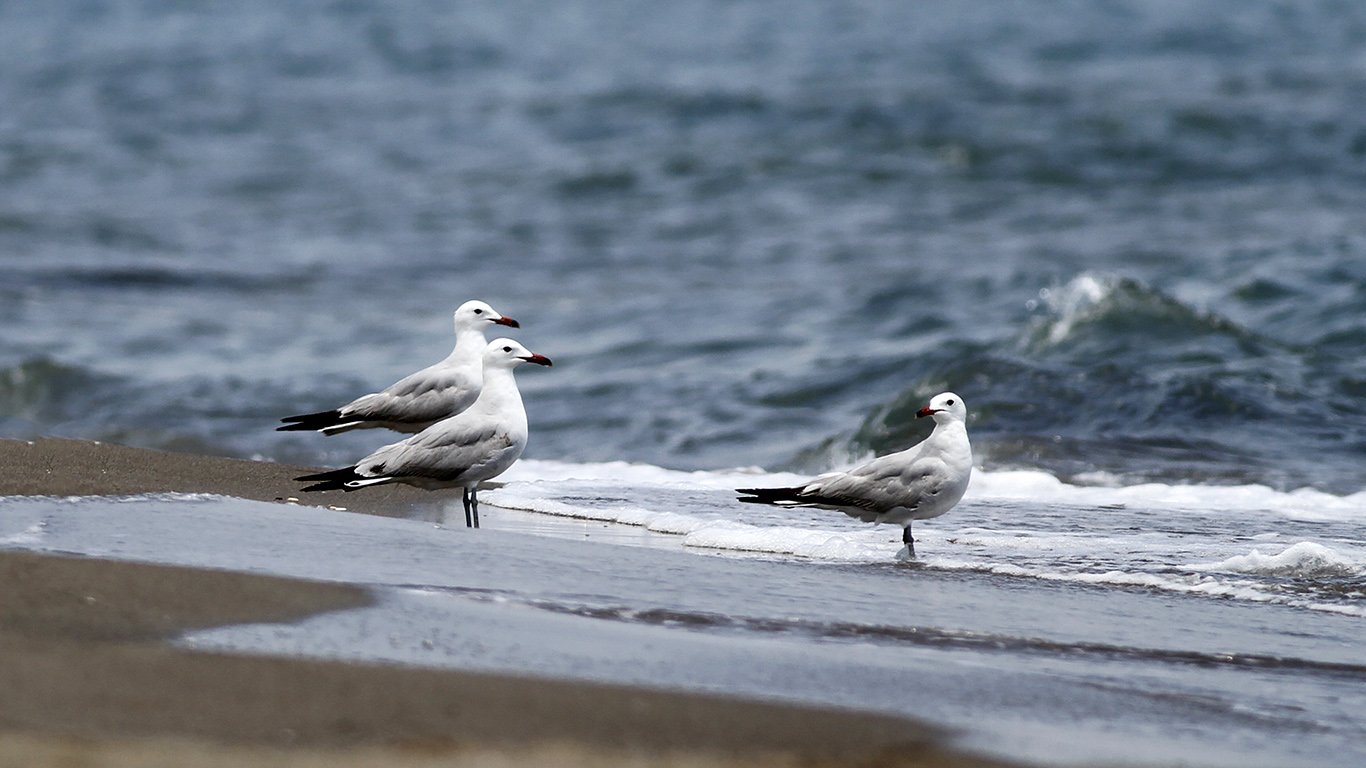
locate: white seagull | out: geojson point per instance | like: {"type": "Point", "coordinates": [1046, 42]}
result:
{"type": "Point", "coordinates": [918, 483]}
{"type": "Point", "coordinates": [477, 444]}
{"type": "Point", "coordinates": [423, 398]}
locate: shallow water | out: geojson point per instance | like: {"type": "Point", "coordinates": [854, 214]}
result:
{"type": "Point", "coordinates": [1058, 672]}
{"type": "Point", "coordinates": [1251, 543]}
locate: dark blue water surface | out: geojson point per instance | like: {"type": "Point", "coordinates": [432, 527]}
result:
{"type": "Point", "coordinates": [1132, 235]}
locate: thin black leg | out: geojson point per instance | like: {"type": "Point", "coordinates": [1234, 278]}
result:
{"type": "Point", "coordinates": [908, 541]}
{"type": "Point", "coordinates": [465, 499]}
{"type": "Point", "coordinates": [474, 505]}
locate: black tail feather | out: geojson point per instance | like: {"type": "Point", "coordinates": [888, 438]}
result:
{"type": "Point", "coordinates": [768, 495]}
{"type": "Point", "coordinates": [332, 480]}
{"type": "Point", "coordinates": [311, 422]}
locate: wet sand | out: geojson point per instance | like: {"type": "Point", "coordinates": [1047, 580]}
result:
{"type": "Point", "coordinates": [88, 680]}
{"type": "Point", "coordinates": [55, 466]}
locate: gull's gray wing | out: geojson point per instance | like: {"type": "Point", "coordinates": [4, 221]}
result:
{"type": "Point", "coordinates": [894, 482]}
{"type": "Point", "coordinates": [429, 395]}
{"type": "Point", "coordinates": [451, 451]}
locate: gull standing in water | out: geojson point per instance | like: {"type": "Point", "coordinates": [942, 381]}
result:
{"type": "Point", "coordinates": [423, 398]}
{"type": "Point", "coordinates": [918, 483]}
{"type": "Point", "coordinates": [477, 444]}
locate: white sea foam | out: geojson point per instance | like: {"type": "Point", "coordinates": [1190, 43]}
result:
{"type": "Point", "coordinates": [1029, 485]}
{"type": "Point", "coordinates": [630, 473]}
{"type": "Point", "coordinates": [137, 498]}
{"type": "Point", "coordinates": [1305, 559]}
{"type": "Point", "coordinates": [1075, 302]}
{"type": "Point", "coordinates": [27, 537]}
{"type": "Point", "coordinates": [1190, 539]}
{"type": "Point", "coordinates": [1036, 486]}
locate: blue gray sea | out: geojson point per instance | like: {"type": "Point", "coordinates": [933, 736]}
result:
{"type": "Point", "coordinates": [754, 237]}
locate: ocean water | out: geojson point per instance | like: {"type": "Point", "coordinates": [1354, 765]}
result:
{"type": "Point", "coordinates": [1131, 234]}
{"type": "Point", "coordinates": [755, 237]}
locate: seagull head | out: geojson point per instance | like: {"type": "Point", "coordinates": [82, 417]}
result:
{"type": "Point", "coordinates": [476, 315]}
{"type": "Point", "coordinates": [944, 407]}
{"type": "Point", "coordinates": [506, 353]}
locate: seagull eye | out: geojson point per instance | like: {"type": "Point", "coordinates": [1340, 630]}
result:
{"type": "Point", "coordinates": [950, 402]}
{"type": "Point", "coordinates": [478, 311]}
{"type": "Point", "coordinates": [507, 349]}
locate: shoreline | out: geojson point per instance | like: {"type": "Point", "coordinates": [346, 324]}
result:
{"type": "Point", "coordinates": [60, 466]}
{"type": "Point", "coordinates": [89, 677]}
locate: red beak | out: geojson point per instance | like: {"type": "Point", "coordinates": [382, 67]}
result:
{"type": "Point", "coordinates": [926, 411]}
{"type": "Point", "coordinates": [539, 360]}
{"type": "Point", "coordinates": [509, 322]}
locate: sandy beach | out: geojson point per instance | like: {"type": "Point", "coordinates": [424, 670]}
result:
{"type": "Point", "coordinates": [90, 680]}
{"type": "Point", "coordinates": [57, 466]}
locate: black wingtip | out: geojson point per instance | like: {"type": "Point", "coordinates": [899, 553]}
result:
{"type": "Point", "coordinates": [767, 495]}
{"type": "Point", "coordinates": [296, 428]}
{"type": "Point", "coordinates": [310, 422]}
{"type": "Point", "coordinates": [331, 480]}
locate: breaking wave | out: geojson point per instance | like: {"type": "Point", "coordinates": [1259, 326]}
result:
{"type": "Point", "coordinates": [1115, 377]}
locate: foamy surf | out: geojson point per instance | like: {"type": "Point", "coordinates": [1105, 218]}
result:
{"type": "Point", "coordinates": [1304, 560]}
{"type": "Point", "coordinates": [29, 536]}
{"type": "Point", "coordinates": [1249, 542]}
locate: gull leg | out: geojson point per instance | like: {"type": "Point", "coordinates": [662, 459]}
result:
{"type": "Point", "coordinates": [474, 505]}
{"type": "Point", "coordinates": [907, 552]}
{"type": "Point", "coordinates": [465, 499]}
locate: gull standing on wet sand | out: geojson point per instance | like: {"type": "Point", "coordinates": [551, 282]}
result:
{"type": "Point", "coordinates": [918, 483]}
{"type": "Point", "coordinates": [423, 398]}
{"type": "Point", "coordinates": [478, 444]}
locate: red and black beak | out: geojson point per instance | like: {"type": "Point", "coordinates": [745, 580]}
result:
{"type": "Point", "coordinates": [539, 360]}
{"type": "Point", "coordinates": [926, 411]}
{"type": "Point", "coordinates": [509, 322]}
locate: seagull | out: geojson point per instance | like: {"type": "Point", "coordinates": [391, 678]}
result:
{"type": "Point", "coordinates": [477, 444]}
{"type": "Point", "coordinates": [918, 483]}
{"type": "Point", "coordinates": [423, 398]}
